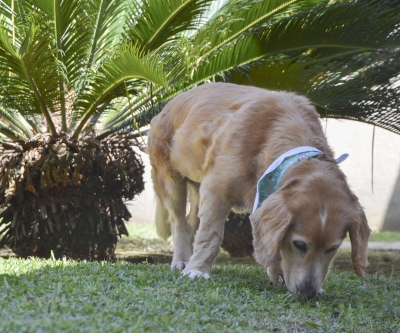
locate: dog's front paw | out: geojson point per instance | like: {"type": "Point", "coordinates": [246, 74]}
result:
{"type": "Point", "coordinates": [179, 265]}
{"type": "Point", "coordinates": [193, 274]}
{"type": "Point", "coordinates": [277, 280]}
{"type": "Point", "coordinates": [275, 274]}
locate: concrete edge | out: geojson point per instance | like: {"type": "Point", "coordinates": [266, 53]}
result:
{"type": "Point", "coordinates": [394, 246]}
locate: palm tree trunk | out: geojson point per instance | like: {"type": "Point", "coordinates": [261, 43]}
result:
{"type": "Point", "coordinates": [66, 196]}
{"type": "Point", "coordinates": [238, 238]}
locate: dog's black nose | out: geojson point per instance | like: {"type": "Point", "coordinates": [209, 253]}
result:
{"type": "Point", "coordinates": [308, 292]}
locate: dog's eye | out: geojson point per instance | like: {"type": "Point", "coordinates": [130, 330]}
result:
{"type": "Point", "coordinates": [332, 249]}
{"type": "Point", "coordinates": [300, 245]}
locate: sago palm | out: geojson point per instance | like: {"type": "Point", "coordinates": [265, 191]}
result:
{"type": "Point", "coordinates": [62, 65]}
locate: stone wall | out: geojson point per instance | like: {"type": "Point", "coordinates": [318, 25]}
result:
{"type": "Point", "coordinates": [382, 203]}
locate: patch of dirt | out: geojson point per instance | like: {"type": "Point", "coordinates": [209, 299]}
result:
{"type": "Point", "coordinates": [382, 262]}
{"type": "Point", "coordinates": [6, 253]}
{"type": "Point", "coordinates": [157, 251]}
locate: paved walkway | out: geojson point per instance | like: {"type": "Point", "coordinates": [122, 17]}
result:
{"type": "Point", "coordinates": [376, 245]}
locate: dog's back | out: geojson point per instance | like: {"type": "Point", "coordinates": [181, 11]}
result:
{"type": "Point", "coordinates": [233, 131]}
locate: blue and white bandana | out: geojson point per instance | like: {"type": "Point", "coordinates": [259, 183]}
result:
{"type": "Point", "coordinates": [269, 181]}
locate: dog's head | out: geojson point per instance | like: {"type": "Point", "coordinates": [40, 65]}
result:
{"type": "Point", "coordinates": [303, 224]}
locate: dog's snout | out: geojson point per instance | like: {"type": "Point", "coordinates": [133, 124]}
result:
{"type": "Point", "coordinates": [308, 292]}
{"type": "Point", "coordinates": [307, 288]}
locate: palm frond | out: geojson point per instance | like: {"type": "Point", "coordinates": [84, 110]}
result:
{"type": "Point", "coordinates": [147, 103]}
{"type": "Point", "coordinates": [336, 25]}
{"type": "Point", "coordinates": [106, 20]}
{"type": "Point", "coordinates": [133, 122]}
{"type": "Point", "coordinates": [367, 93]}
{"type": "Point", "coordinates": [242, 17]}
{"type": "Point", "coordinates": [9, 133]}
{"type": "Point", "coordinates": [127, 64]}
{"type": "Point", "coordinates": [17, 123]}
{"type": "Point", "coordinates": [298, 34]}
{"type": "Point", "coordinates": [30, 75]}
{"type": "Point", "coordinates": [362, 87]}
{"type": "Point", "coordinates": [157, 22]}
{"type": "Point", "coordinates": [64, 17]}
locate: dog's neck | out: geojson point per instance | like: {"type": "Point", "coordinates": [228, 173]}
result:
{"type": "Point", "coordinates": [269, 181]}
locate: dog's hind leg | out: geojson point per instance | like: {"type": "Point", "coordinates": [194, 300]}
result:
{"type": "Point", "coordinates": [171, 192]}
{"type": "Point", "coordinates": [161, 219]}
{"type": "Point", "coordinates": [212, 213]}
{"type": "Point", "coordinates": [171, 196]}
{"type": "Point", "coordinates": [194, 201]}
{"type": "Point", "coordinates": [181, 231]}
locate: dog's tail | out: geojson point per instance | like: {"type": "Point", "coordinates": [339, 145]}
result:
{"type": "Point", "coordinates": [161, 220]}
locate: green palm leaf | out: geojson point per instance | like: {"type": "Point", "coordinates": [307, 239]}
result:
{"type": "Point", "coordinates": [63, 59]}
{"type": "Point", "coordinates": [17, 124]}
{"type": "Point", "coordinates": [30, 76]}
{"type": "Point", "coordinates": [336, 25]}
{"type": "Point", "coordinates": [154, 23]}
{"type": "Point", "coordinates": [242, 17]}
{"type": "Point", "coordinates": [106, 20]}
{"type": "Point", "coordinates": [127, 64]}
{"type": "Point", "coordinates": [335, 28]}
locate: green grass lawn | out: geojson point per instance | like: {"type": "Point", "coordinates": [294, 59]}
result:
{"type": "Point", "coordinates": [385, 236]}
{"type": "Point", "coordinates": [70, 296]}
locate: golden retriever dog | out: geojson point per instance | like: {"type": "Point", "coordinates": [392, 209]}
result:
{"type": "Point", "coordinates": [211, 145]}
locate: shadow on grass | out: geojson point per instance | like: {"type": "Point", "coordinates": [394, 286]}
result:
{"type": "Point", "coordinates": [386, 263]}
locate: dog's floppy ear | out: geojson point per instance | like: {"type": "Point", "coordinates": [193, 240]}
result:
{"type": "Point", "coordinates": [359, 232]}
{"type": "Point", "coordinates": [270, 223]}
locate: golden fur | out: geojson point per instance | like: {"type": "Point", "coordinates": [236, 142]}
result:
{"type": "Point", "coordinates": [214, 142]}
